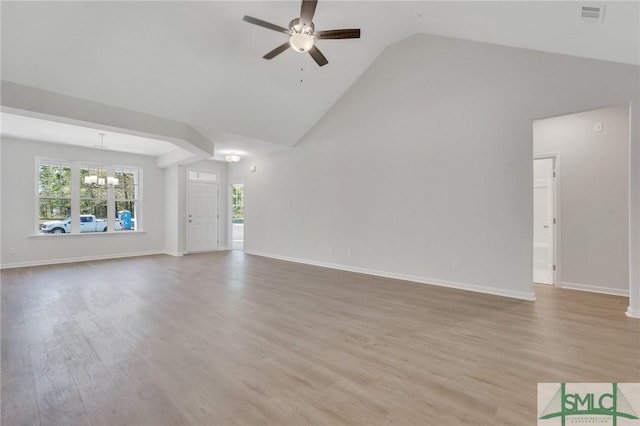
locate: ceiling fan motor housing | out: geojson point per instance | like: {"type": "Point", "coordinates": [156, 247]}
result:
{"type": "Point", "coordinates": [295, 27]}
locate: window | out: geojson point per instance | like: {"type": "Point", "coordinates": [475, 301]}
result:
{"type": "Point", "coordinates": [126, 196]}
{"type": "Point", "coordinates": [202, 176]}
{"type": "Point", "coordinates": [93, 197]}
{"type": "Point", "coordinates": [72, 200]}
{"type": "Point", "coordinates": [54, 192]}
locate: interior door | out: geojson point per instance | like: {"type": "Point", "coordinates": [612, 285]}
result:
{"type": "Point", "coordinates": [543, 220]}
{"type": "Point", "coordinates": [202, 216]}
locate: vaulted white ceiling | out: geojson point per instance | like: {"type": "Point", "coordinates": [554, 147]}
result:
{"type": "Point", "coordinates": [200, 64]}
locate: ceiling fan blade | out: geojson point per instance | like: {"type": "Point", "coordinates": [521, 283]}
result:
{"type": "Point", "coordinates": [264, 24]}
{"type": "Point", "coordinates": [307, 10]}
{"type": "Point", "coordinates": [317, 56]}
{"type": "Point", "coordinates": [278, 50]}
{"type": "Point", "coordinates": [338, 34]}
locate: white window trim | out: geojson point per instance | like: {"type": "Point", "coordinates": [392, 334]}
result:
{"type": "Point", "coordinates": [75, 199]}
{"type": "Point", "coordinates": [137, 200]}
{"type": "Point", "coordinates": [204, 178]}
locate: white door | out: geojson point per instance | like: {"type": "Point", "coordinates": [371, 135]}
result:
{"type": "Point", "coordinates": [543, 220]}
{"type": "Point", "coordinates": [202, 216]}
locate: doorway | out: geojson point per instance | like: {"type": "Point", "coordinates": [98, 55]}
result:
{"type": "Point", "coordinates": [202, 215]}
{"type": "Point", "coordinates": [237, 217]}
{"type": "Point", "coordinates": [544, 220]}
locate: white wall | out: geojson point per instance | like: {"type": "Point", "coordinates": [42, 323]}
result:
{"type": "Point", "coordinates": [594, 240]}
{"type": "Point", "coordinates": [174, 202]}
{"type": "Point", "coordinates": [18, 197]}
{"type": "Point", "coordinates": [423, 169]}
{"type": "Point", "coordinates": [163, 207]}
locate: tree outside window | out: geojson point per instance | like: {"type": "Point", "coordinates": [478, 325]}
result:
{"type": "Point", "coordinates": [238, 203]}
{"type": "Point", "coordinates": [93, 198]}
{"type": "Point", "coordinates": [126, 196]}
{"type": "Point", "coordinates": [54, 190]}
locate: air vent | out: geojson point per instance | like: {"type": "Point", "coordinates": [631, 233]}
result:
{"type": "Point", "coordinates": [592, 13]}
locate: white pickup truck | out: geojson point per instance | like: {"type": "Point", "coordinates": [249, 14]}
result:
{"type": "Point", "coordinates": [88, 223]}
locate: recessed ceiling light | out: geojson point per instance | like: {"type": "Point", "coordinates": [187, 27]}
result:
{"type": "Point", "coordinates": [417, 14]}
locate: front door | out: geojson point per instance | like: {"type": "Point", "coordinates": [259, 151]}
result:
{"type": "Point", "coordinates": [202, 216]}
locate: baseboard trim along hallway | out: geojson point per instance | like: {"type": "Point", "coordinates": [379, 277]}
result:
{"type": "Point", "coordinates": [416, 279]}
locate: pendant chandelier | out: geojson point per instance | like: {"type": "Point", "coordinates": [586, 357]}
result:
{"type": "Point", "coordinates": [101, 178]}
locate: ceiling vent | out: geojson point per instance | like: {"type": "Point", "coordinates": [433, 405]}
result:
{"type": "Point", "coordinates": [592, 13]}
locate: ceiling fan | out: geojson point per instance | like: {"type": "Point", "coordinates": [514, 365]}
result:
{"type": "Point", "coordinates": [302, 33]}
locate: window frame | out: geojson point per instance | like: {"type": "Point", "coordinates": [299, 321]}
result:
{"type": "Point", "coordinates": [75, 186]}
{"type": "Point", "coordinates": [90, 167]}
{"type": "Point", "coordinates": [196, 175]}
{"type": "Point", "coordinates": [136, 200]}
{"type": "Point", "coordinates": [39, 197]}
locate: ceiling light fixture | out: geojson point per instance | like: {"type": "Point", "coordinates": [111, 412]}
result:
{"type": "Point", "coordinates": [302, 34]}
{"type": "Point", "coordinates": [232, 158]}
{"type": "Point", "coordinates": [301, 42]}
{"type": "Point", "coordinates": [100, 178]}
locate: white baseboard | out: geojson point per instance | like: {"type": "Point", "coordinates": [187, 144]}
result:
{"type": "Point", "coordinates": [421, 280]}
{"type": "Point", "coordinates": [206, 251]}
{"type": "Point", "coordinates": [594, 288]}
{"type": "Point", "coordinates": [173, 253]}
{"type": "Point", "coordinates": [79, 259]}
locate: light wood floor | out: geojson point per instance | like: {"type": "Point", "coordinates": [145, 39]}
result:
{"type": "Point", "coordinates": [232, 339]}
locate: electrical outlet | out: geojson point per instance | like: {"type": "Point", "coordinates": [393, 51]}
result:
{"type": "Point", "coordinates": [349, 252]}
{"type": "Point", "coordinates": [330, 250]}
{"type": "Point", "coordinates": [455, 265]}
{"type": "Point", "coordinates": [12, 250]}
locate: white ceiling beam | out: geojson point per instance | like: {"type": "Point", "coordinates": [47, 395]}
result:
{"type": "Point", "coordinates": [176, 157]}
{"type": "Point", "coordinates": [33, 102]}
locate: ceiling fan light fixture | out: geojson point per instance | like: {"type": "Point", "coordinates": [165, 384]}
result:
{"type": "Point", "coordinates": [301, 42]}
{"type": "Point", "coordinates": [232, 158]}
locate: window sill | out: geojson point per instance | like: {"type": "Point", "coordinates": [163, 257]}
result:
{"type": "Point", "coordinates": [87, 234]}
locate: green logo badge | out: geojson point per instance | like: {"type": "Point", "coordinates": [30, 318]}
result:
{"type": "Point", "coordinates": [587, 403]}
